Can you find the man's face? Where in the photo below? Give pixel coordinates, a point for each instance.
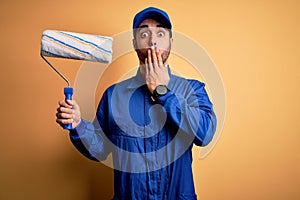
(151, 33)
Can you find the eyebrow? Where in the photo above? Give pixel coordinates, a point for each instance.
(147, 26)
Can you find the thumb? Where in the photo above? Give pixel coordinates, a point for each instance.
(166, 64)
(75, 106)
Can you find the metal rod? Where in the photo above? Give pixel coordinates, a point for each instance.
(60, 74)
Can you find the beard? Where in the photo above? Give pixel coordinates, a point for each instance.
(143, 54)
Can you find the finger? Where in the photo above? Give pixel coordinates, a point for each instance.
(154, 58)
(146, 66)
(64, 121)
(75, 106)
(70, 102)
(64, 116)
(150, 66)
(65, 110)
(64, 104)
(159, 58)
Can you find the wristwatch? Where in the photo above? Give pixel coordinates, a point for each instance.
(159, 91)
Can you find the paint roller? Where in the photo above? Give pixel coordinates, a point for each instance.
(79, 46)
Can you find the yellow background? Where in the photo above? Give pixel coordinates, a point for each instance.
(255, 45)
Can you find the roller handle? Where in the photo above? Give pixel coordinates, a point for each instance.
(68, 91)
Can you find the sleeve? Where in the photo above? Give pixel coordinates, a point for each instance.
(190, 110)
(89, 138)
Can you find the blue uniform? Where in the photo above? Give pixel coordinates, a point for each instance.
(151, 142)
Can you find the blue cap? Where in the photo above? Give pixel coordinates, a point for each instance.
(152, 13)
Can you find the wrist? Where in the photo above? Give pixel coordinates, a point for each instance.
(76, 123)
(151, 87)
(159, 91)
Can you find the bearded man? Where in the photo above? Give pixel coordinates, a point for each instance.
(149, 123)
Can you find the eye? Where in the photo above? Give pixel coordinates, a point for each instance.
(144, 34)
(161, 34)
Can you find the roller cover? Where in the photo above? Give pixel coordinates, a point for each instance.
(78, 46)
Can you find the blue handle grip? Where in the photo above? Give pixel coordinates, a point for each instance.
(68, 91)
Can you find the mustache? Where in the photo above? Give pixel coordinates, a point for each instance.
(142, 54)
(144, 51)
(151, 47)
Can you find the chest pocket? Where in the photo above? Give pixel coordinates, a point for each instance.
(126, 136)
(126, 128)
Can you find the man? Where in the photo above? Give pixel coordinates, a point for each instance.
(149, 122)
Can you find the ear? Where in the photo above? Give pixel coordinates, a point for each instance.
(171, 42)
(134, 44)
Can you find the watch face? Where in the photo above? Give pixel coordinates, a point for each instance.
(161, 90)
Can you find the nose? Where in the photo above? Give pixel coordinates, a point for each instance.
(152, 40)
